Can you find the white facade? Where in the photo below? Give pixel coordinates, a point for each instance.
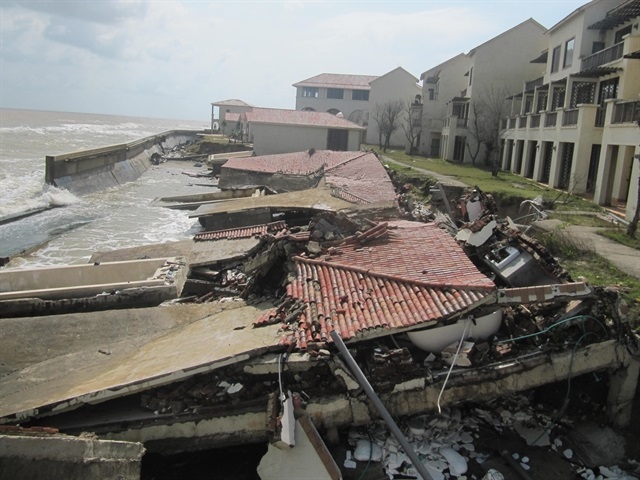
(274, 131)
(396, 85)
(439, 85)
(336, 93)
(501, 64)
(574, 129)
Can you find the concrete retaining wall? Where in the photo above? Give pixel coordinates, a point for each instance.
(94, 170)
(63, 457)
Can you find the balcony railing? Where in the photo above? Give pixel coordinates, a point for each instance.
(522, 122)
(626, 112)
(538, 82)
(603, 56)
(600, 114)
(535, 121)
(550, 119)
(462, 122)
(570, 117)
(512, 122)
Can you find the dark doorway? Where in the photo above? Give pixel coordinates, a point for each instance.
(338, 140)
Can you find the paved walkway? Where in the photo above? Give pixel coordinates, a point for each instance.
(625, 258)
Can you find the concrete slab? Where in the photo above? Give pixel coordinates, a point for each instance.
(195, 253)
(314, 198)
(223, 335)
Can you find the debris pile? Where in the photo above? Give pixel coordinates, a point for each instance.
(499, 440)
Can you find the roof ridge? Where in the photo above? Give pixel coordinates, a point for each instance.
(395, 278)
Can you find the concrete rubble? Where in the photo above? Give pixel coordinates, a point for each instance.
(257, 364)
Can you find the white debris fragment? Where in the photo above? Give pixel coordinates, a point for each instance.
(457, 463)
(348, 462)
(568, 453)
(367, 450)
(234, 388)
(525, 466)
(493, 474)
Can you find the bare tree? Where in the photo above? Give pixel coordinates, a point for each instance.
(387, 117)
(488, 108)
(412, 123)
(633, 225)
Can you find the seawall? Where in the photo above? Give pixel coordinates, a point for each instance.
(93, 170)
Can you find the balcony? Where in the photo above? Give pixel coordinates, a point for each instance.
(570, 117)
(600, 114)
(530, 86)
(535, 121)
(603, 57)
(522, 122)
(626, 112)
(462, 122)
(512, 122)
(550, 119)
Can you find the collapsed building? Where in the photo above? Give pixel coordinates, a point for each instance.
(437, 314)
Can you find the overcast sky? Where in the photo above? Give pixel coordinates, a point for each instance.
(171, 59)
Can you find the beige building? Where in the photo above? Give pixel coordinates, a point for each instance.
(274, 131)
(398, 85)
(495, 68)
(574, 127)
(228, 114)
(335, 93)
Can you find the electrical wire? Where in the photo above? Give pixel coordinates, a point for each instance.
(455, 358)
(561, 322)
(566, 400)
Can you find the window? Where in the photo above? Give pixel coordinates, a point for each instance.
(470, 75)
(568, 53)
(360, 95)
(337, 93)
(621, 33)
(555, 59)
(432, 94)
(310, 92)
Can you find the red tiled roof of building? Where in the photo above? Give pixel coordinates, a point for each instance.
(338, 80)
(363, 177)
(297, 163)
(241, 232)
(415, 276)
(356, 177)
(299, 118)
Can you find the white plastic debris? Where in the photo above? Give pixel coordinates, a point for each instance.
(457, 463)
(568, 453)
(348, 462)
(493, 474)
(525, 466)
(367, 450)
(234, 388)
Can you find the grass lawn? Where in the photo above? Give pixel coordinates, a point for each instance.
(506, 186)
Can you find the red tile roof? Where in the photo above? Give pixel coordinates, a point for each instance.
(356, 177)
(232, 102)
(337, 80)
(297, 163)
(363, 178)
(242, 232)
(299, 118)
(414, 275)
(231, 116)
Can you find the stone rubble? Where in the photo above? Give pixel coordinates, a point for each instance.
(450, 444)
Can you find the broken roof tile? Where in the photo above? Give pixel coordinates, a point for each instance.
(385, 285)
(241, 232)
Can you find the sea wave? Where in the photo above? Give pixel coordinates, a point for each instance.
(40, 197)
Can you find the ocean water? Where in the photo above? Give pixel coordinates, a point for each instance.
(115, 218)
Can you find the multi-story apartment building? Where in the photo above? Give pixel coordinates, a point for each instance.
(336, 93)
(449, 90)
(574, 127)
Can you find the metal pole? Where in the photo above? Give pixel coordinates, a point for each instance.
(386, 416)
